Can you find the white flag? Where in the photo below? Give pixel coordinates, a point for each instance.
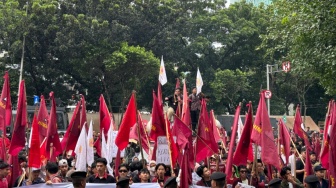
(240, 128)
(90, 142)
(104, 153)
(110, 142)
(162, 74)
(80, 151)
(199, 82)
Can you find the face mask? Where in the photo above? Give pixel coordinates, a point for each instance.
(152, 170)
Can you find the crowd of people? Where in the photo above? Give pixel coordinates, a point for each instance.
(207, 173)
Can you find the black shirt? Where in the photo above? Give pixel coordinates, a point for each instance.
(106, 179)
(299, 166)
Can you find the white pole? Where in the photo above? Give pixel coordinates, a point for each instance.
(268, 100)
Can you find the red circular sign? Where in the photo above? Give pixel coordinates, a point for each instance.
(268, 94)
(286, 66)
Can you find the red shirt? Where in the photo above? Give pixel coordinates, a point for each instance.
(3, 183)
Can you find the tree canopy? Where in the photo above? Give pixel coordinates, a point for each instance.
(112, 47)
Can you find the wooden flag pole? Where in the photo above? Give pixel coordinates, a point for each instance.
(297, 151)
(169, 144)
(51, 150)
(140, 142)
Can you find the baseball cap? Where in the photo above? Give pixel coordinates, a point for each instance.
(63, 162)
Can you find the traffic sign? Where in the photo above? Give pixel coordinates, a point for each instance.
(286, 66)
(268, 94)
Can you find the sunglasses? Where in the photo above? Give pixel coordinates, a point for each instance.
(123, 171)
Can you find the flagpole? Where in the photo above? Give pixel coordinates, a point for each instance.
(148, 142)
(169, 144)
(140, 142)
(297, 151)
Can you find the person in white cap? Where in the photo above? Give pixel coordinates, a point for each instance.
(63, 169)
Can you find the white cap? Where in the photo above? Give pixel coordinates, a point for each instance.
(63, 162)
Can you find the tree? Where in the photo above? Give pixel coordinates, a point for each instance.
(229, 88)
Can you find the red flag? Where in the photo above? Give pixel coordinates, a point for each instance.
(284, 141)
(171, 144)
(228, 169)
(34, 150)
(117, 164)
(127, 122)
(185, 177)
(324, 158)
(204, 143)
(298, 129)
(185, 117)
(42, 119)
(104, 114)
(243, 147)
(53, 144)
(143, 134)
(5, 103)
(308, 166)
(332, 151)
(18, 141)
(83, 114)
(15, 172)
(158, 123)
(317, 146)
(262, 134)
(214, 127)
(43, 157)
(72, 133)
(5, 114)
(182, 133)
(97, 145)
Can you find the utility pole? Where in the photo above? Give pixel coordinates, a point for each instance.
(272, 69)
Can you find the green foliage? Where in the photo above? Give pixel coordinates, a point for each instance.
(113, 47)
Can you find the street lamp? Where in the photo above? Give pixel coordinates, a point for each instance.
(272, 69)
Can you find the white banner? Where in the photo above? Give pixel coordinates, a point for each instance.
(102, 185)
(97, 185)
(162, 152)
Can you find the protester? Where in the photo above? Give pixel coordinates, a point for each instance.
(320, 174)
(275, 183)
(218, 180)
(101, 176)
(311, 181)
(63, 169)
(195, 107)
(135, 168)
(52, 173)
(160, 170)
(144, 176)
(300, 165)
(78, 179)
(93, 169)
(123, 182)
(312, 157)
(170, 183)
(174, 101)
(204, 173)
(129, 153)
(123, 170)
(287, 178)
(4, 171)
(242, 176)
(151, 168)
